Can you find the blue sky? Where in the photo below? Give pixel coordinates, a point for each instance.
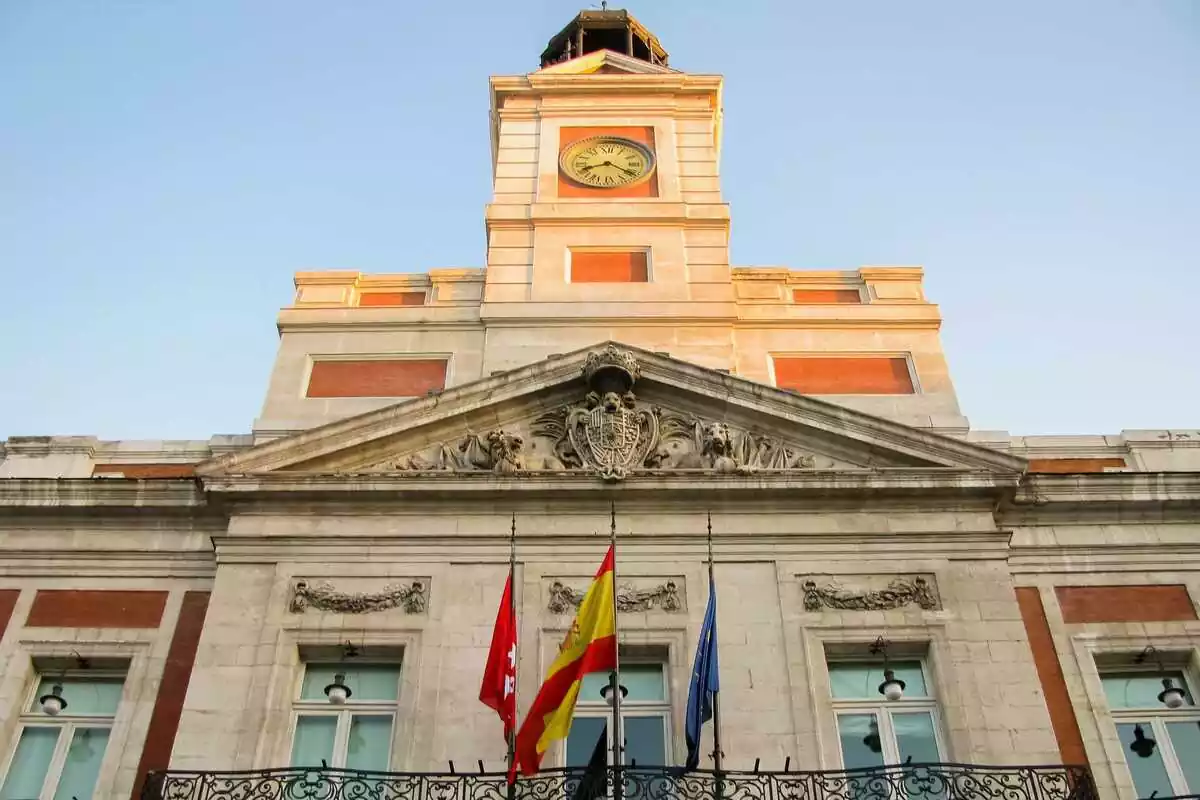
(165, 167)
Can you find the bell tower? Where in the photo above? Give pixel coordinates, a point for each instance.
(607, 220)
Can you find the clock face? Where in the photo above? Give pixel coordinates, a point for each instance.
(607, 162)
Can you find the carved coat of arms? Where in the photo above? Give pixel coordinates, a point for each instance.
(612, 434)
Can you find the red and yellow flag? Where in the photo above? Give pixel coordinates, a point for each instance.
(590, 646)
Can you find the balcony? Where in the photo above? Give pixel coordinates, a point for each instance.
(908, 782)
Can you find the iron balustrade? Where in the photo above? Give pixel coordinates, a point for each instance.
(907, 782)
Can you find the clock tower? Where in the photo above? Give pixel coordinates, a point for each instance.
(606, 220)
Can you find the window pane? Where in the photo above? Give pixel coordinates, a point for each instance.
(861, 679)
(915, 738)
(644, 682)
(581, 742)
(1139, 689)
(367, 682)
(1149, 774)
(78, 778)
(370, 743)
(645, 740)
(1185, 737)
(27, 772)
(314, 741)
(91, 697)
(859, 735)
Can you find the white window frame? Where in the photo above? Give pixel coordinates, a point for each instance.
(598, 708)
(344, 713)
(1158, 716)
(883, 709)
(68, 723)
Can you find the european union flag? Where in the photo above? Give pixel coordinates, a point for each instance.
(705, 683)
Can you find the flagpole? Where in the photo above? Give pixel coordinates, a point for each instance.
(614, 677)
(512, 612)
(717, 754)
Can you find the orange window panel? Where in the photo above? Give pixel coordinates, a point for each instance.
(86, 608)
(844, 375)
(147, 470)
(391, 299)
(823, 297)
(609, 267)
(377, 378)
(1161, 603)
(1074, 464)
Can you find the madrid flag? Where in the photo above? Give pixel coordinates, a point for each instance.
(590, 646)
(499, 690)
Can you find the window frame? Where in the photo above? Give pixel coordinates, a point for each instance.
(1158, 717)
(883, 709)
(568, 273)
(344, 713)
(598, 709)
(31, 716)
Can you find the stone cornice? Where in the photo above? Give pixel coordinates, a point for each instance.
(667, 487)
(41, 446)
(1041, 489)
(1095, 558)
(565, 550)
(570, 212)
(110, 493)
(106, 563)
(546, 82)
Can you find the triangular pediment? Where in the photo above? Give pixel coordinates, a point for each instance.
(605, 61)
(614, 412)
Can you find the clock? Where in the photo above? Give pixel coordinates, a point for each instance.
(607, 162)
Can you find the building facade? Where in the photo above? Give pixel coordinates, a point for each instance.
(192, 606)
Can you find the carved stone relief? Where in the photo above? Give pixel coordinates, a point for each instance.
(664, 597)
(610, 434)
(867, 595)
(413, 598)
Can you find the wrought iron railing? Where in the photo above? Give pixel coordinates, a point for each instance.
(908, 782)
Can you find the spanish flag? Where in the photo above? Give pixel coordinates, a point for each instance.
(590, 646)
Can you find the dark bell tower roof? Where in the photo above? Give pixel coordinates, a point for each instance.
(615, 30)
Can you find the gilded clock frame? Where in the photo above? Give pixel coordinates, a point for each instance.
(581, 144)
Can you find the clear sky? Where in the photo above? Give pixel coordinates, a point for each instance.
(166, 166)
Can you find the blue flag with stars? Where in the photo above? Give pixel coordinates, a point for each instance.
(705, 683)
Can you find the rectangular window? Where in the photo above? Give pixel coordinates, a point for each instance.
(824, 297)
(59, 757)
(1069, 465)
(391, 299)
(402, 377)
(645, 714)
(609, 266)
(354, 734)
(844, 374)
(1169, 767)
(876, 732)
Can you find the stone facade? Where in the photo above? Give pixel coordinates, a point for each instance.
(383, 523)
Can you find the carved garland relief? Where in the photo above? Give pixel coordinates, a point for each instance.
(610, 434)
(664, 597)
(413, 598)
(899, 592)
